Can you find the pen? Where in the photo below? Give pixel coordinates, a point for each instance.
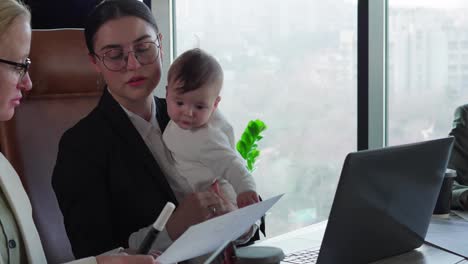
(157, 227)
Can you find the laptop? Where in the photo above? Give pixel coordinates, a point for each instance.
(383, 204)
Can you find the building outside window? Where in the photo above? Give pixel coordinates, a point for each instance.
(421, 110)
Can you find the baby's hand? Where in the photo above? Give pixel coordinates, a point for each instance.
(247, 198)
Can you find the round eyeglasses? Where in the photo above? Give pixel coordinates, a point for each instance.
(21, 68)
(116, 59)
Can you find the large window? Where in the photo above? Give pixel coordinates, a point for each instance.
(293, 65)
(428, 67)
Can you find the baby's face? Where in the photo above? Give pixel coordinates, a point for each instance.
(193, 109)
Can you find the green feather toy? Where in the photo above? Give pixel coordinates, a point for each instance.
(247, 144)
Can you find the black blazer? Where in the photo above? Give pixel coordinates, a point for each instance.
(106, 180)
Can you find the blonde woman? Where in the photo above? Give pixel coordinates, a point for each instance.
(20, 241)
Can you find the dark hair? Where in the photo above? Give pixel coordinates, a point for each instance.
(194, 68)
(112, 9)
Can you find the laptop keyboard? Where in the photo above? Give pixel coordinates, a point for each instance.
(302, 257)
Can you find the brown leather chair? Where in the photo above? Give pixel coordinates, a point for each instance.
(65, 89)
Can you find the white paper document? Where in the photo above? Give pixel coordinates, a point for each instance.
(449, 234)
(206, 237)
(462, 214)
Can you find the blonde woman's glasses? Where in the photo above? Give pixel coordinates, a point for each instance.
(21, 68)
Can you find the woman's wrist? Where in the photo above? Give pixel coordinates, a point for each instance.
(174, 228)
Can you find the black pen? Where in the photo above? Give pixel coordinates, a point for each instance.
(157, 227)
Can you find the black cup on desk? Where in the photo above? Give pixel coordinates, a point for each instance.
(444, 200)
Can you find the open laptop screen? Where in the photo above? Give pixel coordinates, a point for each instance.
(384, 201)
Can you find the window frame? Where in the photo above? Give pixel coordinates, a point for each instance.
(163, 10)
(372, 74)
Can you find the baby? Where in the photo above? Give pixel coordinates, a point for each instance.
(199, 138)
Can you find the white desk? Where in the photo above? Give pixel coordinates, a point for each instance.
(312, 235)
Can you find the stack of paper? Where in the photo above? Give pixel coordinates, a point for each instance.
(206, 237)
(449, 234)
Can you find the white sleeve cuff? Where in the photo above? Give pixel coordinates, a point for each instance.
(249, 234)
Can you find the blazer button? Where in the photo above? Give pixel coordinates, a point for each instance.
(11, 243)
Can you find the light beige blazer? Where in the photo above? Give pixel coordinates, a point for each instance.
(18, 200)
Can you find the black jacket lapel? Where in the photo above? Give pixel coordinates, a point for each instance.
(122, 125)
(161, 113)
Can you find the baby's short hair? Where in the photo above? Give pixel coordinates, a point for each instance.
(194, 68)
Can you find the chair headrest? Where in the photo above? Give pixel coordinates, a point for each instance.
(60, 64)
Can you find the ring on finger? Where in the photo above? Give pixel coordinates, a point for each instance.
(212, 210)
